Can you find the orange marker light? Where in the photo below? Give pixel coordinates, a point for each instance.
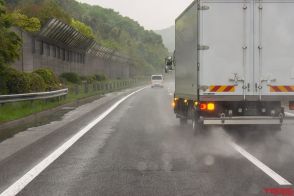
(173, 104)
(210, 106)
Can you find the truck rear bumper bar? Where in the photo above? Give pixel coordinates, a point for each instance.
(243, 120)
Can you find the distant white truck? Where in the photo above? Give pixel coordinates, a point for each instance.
(234, 62)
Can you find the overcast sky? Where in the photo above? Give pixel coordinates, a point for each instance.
(152, 14)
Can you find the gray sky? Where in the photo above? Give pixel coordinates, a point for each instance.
(152, 14)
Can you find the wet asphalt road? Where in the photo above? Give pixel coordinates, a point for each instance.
(141, 149)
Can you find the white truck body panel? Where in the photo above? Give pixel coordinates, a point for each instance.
(245, 45)
(186, 53)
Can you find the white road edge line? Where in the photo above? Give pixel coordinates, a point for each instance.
(276, 177)
(22, 182)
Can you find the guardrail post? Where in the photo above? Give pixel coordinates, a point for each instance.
(93, 87)
(76, 89)
(86, 88)
(99, 86)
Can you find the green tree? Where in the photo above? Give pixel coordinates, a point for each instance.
(82, 28)
(9, 41)
(28, 24)
(43, 10)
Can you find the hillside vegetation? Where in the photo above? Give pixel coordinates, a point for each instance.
(106, 26)
(168, 36)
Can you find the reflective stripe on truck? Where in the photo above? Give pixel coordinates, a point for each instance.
(222, 89)
(281, 89)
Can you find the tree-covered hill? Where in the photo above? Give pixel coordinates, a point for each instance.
(168, 36)
(106, 26)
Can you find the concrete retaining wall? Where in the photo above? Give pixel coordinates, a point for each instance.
(37, 52)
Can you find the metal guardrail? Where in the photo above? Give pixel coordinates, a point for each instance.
(32, 96)
(85, 88)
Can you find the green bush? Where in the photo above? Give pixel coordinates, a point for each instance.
(13, 81)
(17, 82)
(3, 80)
(50, 79)
(71, 77)
(100, 77)
(76, 79)
(36, 83)
(88, 79)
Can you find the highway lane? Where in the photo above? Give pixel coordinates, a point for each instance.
(140, 149)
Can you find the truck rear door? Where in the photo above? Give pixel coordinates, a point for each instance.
(274, 47)
(226, 64)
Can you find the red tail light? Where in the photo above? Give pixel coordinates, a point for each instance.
(203, 106)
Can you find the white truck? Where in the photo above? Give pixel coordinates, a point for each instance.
(234, 62)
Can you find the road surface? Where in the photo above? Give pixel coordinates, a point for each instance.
(139, 148)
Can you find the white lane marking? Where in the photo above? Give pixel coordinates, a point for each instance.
(22, 182)
(288, 114)
(276, 177)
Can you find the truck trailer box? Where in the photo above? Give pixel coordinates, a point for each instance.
(238, 54)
